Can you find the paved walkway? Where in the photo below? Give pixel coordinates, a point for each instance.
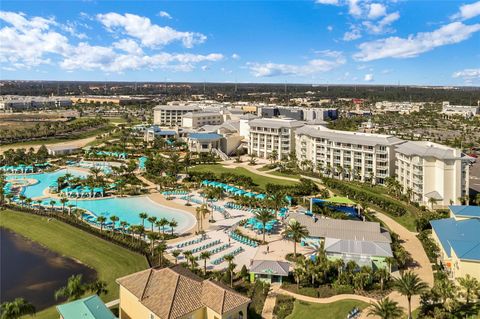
(269, 305)
(326, 300)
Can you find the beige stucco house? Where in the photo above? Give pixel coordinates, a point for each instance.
(175, 292)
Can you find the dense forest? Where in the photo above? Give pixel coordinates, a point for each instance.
(279, 93)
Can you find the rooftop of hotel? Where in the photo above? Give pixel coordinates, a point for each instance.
(358, 247)
(276, 123)
(465, 211)
(348, 137)
(460, 236)
(427, 149)
(201, 114)
(204, 136)
(177, 107)
(175, 292)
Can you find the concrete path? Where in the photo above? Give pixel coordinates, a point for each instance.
(326, 300)
(254, 169)
(113, 303)
(269, 305)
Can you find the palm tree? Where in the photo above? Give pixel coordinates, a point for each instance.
(101, 220)
(295, 231)
(74, 289)
(123, 225)
(229, 258)
(52, 203)
(152, 220)
(277, 200)
(98, 287)
(16, 309)
(409, 284)
(172, 224)
(114, 219)
(205, 255)
(264, 216)
(187, 254)
(470, 287)
(432, 201)
(175, 255)
(162, 223)
(63, 200)
(161, 248)
(143, 216)
(386, 309)
(152, 237)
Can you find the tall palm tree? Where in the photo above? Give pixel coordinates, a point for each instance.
(152, 237)
(175, 255)
(63, 201)
(264, 216)
(161, 248)
(16, 309)
(101, 220)
(187, 254)
(152, 220)
(277, 200)
(143, 216)
(386, 309)
(204, 256)
(470, 287)
(295, 231)
(74, 289)
(172, 224)
(52, 203)
(114, 219)
(229, 258)
(409, 284)
(98, 287)
(123, 225)
(162, 223)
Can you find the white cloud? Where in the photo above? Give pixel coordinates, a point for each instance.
(468, 74)
(150, 35)
(312, 67)
(235, 56)
(204, 67)
(164, 14)
(368, 77)
(376, 10)
(354, 8)
(467, 11)
(330, 28)
(129, 46)
(332, 2)
(383, 24)
(353, 34)
(413, 45)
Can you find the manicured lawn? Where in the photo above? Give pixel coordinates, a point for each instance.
(277, 173)
(109, 260)
(335, 310)
(260, 180)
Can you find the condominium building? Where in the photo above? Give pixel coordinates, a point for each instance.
(171, 115)
(198, 119)
(347, 155)
(429, 170)
(460, 110)
(267, 136)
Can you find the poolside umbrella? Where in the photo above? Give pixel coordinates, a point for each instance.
(261, 196)
(249, 194)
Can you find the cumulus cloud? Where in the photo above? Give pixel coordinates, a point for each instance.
(354, 8)
(353, 34)
(383, 25)
(30, 41)
(164, 14)
(467, 11)
(468, 74)
(330, 28)
(376, 10)
(413, 45)
(150, 35)
(335, 59)
(368, 77)
(235, 56)
(332, 2)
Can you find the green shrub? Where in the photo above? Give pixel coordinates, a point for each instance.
(283, 306)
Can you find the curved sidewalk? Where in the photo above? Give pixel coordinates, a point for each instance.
(326, 300)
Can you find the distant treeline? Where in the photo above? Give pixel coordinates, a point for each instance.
(245, 91)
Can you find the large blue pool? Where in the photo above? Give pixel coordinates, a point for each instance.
(126, 209)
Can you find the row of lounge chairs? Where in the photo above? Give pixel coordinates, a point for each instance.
(219, 249)
(243, 240)
(192, 242)
(203, 247)
(170, 193)
(220, 260)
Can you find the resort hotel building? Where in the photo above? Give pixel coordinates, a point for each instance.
(171, 114)
(347, 155)
(429, 170)
(269, 135)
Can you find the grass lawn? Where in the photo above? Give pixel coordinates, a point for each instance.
(335, 310)
(109, 260)
(277, 173)
(260, 180)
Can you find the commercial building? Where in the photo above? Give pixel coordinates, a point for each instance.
(171, 115)
(428, 170)
(347, 155)
(194, 120)
(175, 292)
(459, 243)
(298, 113)
(13, 103)
(269, 136)
(203, 142)
(461, 110)
(108, 99)
(155, 131)
(366, 243)
(269, 271)
(62, 150)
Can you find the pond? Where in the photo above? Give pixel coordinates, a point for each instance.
(33, 272)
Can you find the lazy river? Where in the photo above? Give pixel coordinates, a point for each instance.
(126, 208)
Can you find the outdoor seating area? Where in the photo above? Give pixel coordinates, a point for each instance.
(220, 260)
(118, 155)
(192, 242)
(18, 169)
(254, 224)
(175, 193)
(232, 190)
(243, 240)
(83, 192)
(206, 246)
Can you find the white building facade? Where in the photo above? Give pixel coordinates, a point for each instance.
(197, 119)
(171, 115)
(429, 170)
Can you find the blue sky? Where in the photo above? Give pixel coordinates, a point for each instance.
(318, 41)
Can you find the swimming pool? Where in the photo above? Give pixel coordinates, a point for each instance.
(126, 209)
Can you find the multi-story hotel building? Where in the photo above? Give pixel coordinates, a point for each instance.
(171, 115)
(269, 135)
(198, 119)
(347, 155)
(430, 170)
